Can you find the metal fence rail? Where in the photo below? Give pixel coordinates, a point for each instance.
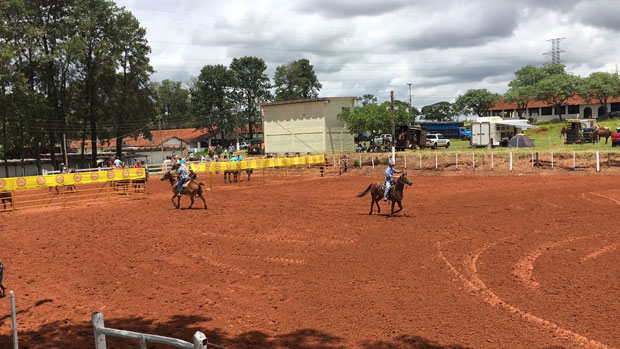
(199, 339)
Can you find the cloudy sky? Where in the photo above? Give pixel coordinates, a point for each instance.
(442, 47)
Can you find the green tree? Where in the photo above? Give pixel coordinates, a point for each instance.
(556, 89)
(375, 118)
(522, 89)
(172, 100)
(253, 86)
(476, 102)
(296, 80)
(440, 111)
(600, 86)
(521, 96)
(132, 97)
(367, 99)
(214, 97)
(97, 63)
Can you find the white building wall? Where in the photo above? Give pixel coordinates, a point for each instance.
(307, 127)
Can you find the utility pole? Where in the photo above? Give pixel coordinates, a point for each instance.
(393, 127)
(64, 149)
(161, 135)
(410, 110)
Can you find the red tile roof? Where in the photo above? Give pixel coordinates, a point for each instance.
(575, 100)
(185, 134)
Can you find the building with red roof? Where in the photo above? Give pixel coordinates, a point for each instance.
(574, 108)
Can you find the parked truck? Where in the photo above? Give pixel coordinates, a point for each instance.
(410, 137)
(494, 131)
(434, 140)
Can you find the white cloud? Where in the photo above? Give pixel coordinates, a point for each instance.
(443, 47)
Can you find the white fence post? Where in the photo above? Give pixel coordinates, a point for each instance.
(598, 162)
(14, 320)
(98, 323)
(473, 161)
(574, 160)
(510, 161)
(360, 161)
(435, 161)
(532, 160)
(200, 340)
(420, 161)
(457, 161)
(552, 160)
(491, 161)
(372, 159)
(405, 161)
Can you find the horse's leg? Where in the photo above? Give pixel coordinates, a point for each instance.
(400, 206)
(203, 199)
(372, 204)
(191, 199)
(392, 212)
(178, 201)
(174, 195)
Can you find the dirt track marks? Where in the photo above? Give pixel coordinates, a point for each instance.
(599, 252)
(263, 239)
(477, 287)
(607, 197)
(524, 269)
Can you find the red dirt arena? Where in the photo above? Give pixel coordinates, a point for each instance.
(472, 261)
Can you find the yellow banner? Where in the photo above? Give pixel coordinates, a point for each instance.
(257, 163)
(31, 182)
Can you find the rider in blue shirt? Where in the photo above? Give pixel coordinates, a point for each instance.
(389, 178)
(183, 176)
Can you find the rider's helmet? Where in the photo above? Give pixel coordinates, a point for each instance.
(182, 161)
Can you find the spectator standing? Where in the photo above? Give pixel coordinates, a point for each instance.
(262, 148)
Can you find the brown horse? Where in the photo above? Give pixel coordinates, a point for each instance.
(236, 174)
(193, 188)
(563, 131)
(601, 132)
(395, 194)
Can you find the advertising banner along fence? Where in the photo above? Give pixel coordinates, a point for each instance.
(34, 182)
(257, 163)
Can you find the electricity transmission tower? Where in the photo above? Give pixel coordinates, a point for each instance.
(553, 56)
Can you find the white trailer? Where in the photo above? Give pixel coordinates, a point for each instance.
(494, 131)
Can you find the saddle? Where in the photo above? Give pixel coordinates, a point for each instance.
(186, 183)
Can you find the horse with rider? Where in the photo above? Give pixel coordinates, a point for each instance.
(184, 181)
(391, 189)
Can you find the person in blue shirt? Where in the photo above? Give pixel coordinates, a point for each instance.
(389, 178)
(236, 158)
(183, 176)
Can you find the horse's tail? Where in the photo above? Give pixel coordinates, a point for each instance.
(201, 184)
(365, 191)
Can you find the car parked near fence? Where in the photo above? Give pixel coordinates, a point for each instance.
(435, 140)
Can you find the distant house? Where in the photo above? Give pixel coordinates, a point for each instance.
(176, 141)
(575, 107)
(307, 126)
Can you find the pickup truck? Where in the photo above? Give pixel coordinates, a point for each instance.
(435, 140)
(464, 133)
(379, 139)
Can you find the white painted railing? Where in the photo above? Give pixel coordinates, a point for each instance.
(199, 340)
